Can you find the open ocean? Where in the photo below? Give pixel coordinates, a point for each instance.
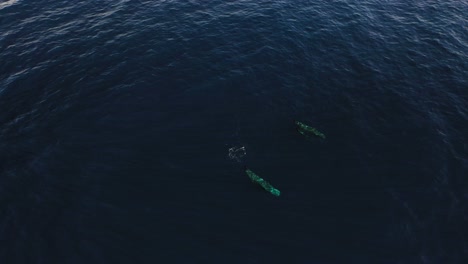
(116, 120)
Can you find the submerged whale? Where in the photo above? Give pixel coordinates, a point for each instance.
(255, 178)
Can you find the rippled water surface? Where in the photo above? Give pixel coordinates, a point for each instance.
(117, 119)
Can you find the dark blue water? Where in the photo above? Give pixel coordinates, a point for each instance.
(116, 118)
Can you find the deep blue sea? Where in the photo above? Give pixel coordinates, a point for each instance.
(117, 117)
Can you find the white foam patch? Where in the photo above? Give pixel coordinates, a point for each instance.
(8, 3)
(237, 153)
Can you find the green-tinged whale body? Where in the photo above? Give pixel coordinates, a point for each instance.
(255, 178)
(305, 130)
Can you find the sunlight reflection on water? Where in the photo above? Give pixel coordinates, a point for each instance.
(8, 3)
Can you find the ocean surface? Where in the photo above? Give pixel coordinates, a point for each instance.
(117, 119)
